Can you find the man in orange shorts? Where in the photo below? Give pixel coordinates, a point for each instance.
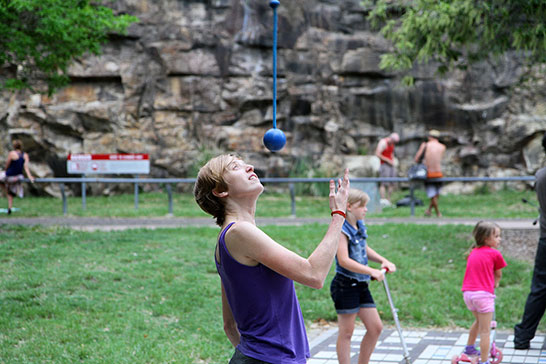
(434, 153)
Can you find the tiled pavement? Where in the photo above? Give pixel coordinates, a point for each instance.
(425, 347)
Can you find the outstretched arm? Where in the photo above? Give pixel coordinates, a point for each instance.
(419, 152)
(376, 257)
(246, 240)
(27, 170)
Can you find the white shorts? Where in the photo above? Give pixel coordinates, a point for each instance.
(433, 189)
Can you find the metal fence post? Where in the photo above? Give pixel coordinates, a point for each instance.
(65, 209)
(170, 194)
(412, 200)
(84, 202)
(136, 195)
(293, 199)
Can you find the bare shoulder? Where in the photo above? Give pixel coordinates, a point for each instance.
(242, 227)
(245, 242)
(244, 231)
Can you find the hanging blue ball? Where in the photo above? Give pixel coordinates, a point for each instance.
(274, 3)
(274, 139)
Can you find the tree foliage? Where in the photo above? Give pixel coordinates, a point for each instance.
(456, 33)
(40, 38)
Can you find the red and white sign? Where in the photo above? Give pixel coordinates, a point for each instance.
(108, 164)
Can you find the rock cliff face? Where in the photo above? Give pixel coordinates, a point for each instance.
(194, 78)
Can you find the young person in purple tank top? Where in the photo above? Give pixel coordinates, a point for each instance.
(261, 314)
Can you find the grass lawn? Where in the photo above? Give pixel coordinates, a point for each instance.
(502, 204)
(153, 296)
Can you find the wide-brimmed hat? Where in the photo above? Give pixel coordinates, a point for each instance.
(434, 133)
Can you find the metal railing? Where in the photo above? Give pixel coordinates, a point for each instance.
(290, 181)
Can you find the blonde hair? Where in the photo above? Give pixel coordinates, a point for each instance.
(356, 196)
(210, 178)
(481, 232)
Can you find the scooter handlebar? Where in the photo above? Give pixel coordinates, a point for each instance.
(384, 270)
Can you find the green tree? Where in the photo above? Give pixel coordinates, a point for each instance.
(457, 33)
(40, 38)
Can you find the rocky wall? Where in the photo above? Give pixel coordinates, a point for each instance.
(193, 78)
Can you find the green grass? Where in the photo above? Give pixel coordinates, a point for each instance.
(153, 296)
(502, 204)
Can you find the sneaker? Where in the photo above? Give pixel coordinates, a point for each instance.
(471, 350)
(385, 203)
(484, 362)
(9, 211)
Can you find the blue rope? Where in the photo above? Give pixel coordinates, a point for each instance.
(273, 4)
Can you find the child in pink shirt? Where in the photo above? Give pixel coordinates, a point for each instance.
(482, 276)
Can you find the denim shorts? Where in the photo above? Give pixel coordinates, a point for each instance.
(350, 295)
(240, 358)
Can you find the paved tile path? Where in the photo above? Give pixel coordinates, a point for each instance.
(425, 347)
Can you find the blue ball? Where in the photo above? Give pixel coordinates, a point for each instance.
(274, 3)
(274, 139)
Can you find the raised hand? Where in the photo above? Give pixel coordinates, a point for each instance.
(338, 201)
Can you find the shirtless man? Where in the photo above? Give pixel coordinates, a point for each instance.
(385, 153)
(433, 160)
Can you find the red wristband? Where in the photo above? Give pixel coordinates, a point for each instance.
(339, 212)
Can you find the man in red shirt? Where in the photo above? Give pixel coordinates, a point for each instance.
(385, 153)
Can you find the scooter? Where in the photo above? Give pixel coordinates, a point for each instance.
(495, 355)
(394, 311)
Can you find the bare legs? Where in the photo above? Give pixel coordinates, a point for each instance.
(8, 195)
(481, 326)
(473, 333)
(434, 205)
(10, 201)
(374, 326)
(385, 191)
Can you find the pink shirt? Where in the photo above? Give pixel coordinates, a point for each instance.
(480, 269)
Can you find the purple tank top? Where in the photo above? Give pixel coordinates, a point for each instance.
(266, 309)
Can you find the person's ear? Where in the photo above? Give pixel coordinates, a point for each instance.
(216, 192)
